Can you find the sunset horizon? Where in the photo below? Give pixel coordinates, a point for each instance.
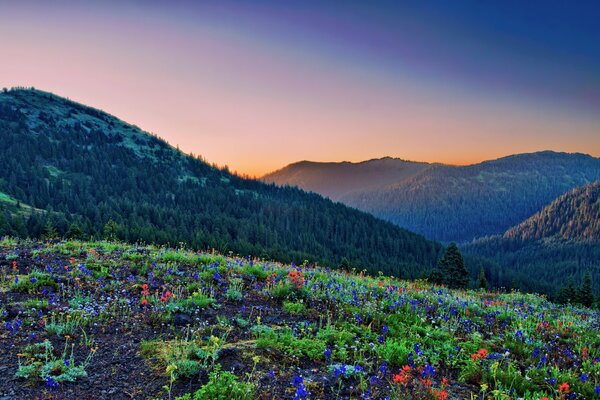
(259, 88)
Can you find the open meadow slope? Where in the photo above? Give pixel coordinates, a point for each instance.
(109, 320)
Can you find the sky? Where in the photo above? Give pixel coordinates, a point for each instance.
(258, 85)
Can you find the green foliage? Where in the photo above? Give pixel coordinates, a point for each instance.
(32, 282)
(586, 295)
(453, 268)
(482, 280)
(310, 347)
(234, 291)
(294, 308)
(222, 385)
(40, 362)
(192, 303)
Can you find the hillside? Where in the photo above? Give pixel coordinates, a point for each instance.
(554, 246)
(95, 175)
(451, 203)
(115, 321)
(573, 216)
(339, 180)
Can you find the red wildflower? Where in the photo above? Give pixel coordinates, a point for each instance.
(584, 353)
(564, 388)
(403, 377)
(144, 302)
(480, 355)
(297, 278)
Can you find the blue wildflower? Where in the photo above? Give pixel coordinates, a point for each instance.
(51, 383)
(428, 372)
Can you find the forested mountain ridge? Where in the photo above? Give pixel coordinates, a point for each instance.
(339, 180)
(459, 203)
(559, 244)
(93, 174)
(573, 216)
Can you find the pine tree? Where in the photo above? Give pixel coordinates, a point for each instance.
(74, 231)
(436, 277)
(586, 294)
(49, 230)
(453, 268)
(483, 283)
(110, 230)
(568, 293)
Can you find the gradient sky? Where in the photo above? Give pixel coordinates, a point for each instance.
(257, 85)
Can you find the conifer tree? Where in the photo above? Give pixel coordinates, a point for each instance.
(483, 283)
(586, 294)
(453, 268)
(568, 293)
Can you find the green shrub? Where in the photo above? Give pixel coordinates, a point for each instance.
(223, 385)
(294, 308)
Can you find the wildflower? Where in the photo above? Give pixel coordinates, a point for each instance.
(584, 353)
(403, 377)
(597, 391)
(564, 388)
(584, 378)
(144, 302)
(480, 355)
(171, 368)
(51, 383)
(418, 350)
(428, 372)
(297, 380)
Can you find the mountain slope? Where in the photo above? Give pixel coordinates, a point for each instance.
(558, 244)
(338, 180)
(573, 216)
(97, 175)
(460, 203)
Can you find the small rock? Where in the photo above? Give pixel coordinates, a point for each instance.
(181, 319)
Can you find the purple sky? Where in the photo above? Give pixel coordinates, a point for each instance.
(257, 85)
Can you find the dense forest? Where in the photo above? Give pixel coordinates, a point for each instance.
(573, 216)
(72, 170)
(549, 252)
(445, 202)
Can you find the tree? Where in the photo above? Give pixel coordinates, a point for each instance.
(74, 231)
(483, 283)
(568, 293)
(436, 277)
(586, 294)
(453, 268)
(49, 230)
(110, 230)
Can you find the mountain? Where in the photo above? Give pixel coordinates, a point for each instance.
(340, 180)
(557, 244)
(573, 216)
(73, 170)
(446, 202)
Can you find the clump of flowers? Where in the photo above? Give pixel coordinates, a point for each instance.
(403, 377)
(297, 279)
(480, 355)
(145, 294)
